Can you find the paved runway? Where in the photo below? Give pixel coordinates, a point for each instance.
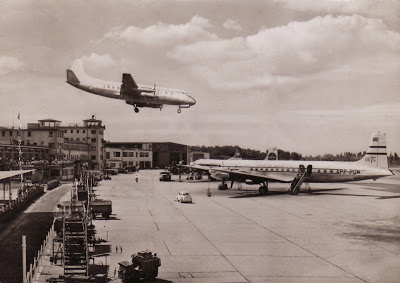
(339, 233)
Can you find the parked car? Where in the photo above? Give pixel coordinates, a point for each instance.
(165, 176)
(184, 197)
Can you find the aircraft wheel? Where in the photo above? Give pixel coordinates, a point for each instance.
(263, 190)
(136, 110)
(179, 110)
(222, 187)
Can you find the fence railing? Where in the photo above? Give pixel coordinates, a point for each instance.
(38, 260)
(23, 200)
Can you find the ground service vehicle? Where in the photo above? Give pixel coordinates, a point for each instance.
(165, 176)
(101, 206)
(144, 265)
(184, 197)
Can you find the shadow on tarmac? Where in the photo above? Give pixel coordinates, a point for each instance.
(257, 194)
(312, 192)
(322, 192)
(112, 217)
(157, 280)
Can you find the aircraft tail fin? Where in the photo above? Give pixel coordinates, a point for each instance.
(272, 154)
(128, 84)
(237, 155)
(376, 155)
(72, 78)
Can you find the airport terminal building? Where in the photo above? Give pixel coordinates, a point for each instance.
(144, 155)
(50, 145)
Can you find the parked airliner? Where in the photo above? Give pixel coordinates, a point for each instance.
(133, 94)
(373, 165)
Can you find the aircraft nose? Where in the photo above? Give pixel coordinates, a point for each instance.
(191, 100)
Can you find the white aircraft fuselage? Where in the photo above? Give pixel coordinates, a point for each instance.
(322, 171)
(373, 165)
(136, 95)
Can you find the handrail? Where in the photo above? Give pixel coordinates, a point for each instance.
(38, 260)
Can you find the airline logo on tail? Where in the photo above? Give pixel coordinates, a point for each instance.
(376, 155)
(370, 159)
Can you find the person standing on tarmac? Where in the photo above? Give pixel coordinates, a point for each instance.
(136, 177)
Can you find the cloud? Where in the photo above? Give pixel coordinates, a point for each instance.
(386, 9)
(10, 64)
(287, 54)
(99, 61)
(165, 34)
(231, 24)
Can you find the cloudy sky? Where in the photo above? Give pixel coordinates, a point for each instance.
(307, 76)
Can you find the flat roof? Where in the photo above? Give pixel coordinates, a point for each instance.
(49, 120)
(9, 174)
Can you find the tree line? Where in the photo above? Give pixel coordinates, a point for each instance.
(225, 152)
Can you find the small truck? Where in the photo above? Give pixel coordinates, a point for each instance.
(144, 265)
(101, 206)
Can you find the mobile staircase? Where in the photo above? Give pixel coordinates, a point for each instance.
(301, 176)
(75, 241)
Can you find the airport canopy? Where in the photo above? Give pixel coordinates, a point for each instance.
(9, 174)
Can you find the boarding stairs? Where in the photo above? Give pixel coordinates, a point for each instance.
(75, 243)
(295, 185)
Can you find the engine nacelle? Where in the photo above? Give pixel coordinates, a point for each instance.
(250, 182)
(217, 175)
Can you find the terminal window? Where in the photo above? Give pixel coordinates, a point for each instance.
(93, 132)
(3, 133)
(144, 154)
(93, 140)
(117, 154)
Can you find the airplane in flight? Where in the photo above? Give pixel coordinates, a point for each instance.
(373, 165)
(133, 94)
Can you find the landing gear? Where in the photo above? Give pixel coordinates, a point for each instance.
(179, 110)
(263, 189)
(136, 110)
(307, 188)
(222, 186)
